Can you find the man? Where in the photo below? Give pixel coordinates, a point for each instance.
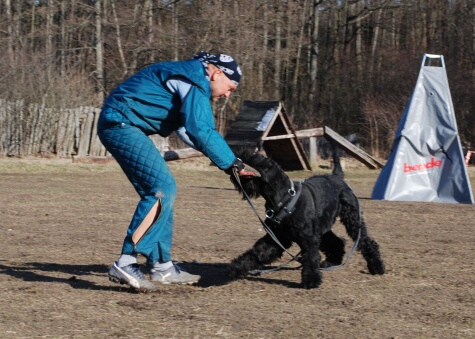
(163, 98)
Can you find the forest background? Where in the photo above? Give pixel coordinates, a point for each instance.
(347, 64)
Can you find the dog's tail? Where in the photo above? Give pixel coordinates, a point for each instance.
(337, 169)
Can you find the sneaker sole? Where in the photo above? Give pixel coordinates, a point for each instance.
(165, 282)
(176, 283)
(139, 289)
(132, 282)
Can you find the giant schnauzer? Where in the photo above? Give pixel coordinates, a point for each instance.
(303, 212)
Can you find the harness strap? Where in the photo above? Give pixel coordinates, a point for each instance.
(286, 210)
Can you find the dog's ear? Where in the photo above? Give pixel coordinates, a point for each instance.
(245, 153)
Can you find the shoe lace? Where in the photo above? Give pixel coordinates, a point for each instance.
(137, 271)
(178, 269)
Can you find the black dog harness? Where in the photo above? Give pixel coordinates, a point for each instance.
(285, 209)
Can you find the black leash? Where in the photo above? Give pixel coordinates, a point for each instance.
(273, 236)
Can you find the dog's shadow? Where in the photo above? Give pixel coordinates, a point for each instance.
(214, 274)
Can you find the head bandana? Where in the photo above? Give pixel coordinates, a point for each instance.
(224, 62)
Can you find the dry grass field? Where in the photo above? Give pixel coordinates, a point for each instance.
(62, 225)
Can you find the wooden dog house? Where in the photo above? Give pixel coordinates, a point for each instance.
(266, 126)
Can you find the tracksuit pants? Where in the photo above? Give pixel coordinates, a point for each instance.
(148, 172)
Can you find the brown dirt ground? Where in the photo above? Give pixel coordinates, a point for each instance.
(62, 226)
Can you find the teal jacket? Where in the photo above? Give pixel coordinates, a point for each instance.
(147, 102)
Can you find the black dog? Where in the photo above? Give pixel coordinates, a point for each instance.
(304, 213)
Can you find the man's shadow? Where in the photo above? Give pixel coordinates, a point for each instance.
(212, 274)
(41, 272)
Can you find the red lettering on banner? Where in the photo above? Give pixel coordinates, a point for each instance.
(431, 164)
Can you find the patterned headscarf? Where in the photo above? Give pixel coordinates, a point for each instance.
(224, 62)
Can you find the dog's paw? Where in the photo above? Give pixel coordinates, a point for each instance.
(311, 284)
(233, 272)
(312, 280)
(376, 267)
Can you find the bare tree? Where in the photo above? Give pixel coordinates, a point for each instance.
(471, 4)
(99, 51)
(119, 40)
(314, 52)
(277, 48)
(10, 30)
(263, 54)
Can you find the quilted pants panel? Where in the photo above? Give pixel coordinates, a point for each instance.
(149, 174)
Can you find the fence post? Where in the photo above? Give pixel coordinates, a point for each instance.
(86, 120)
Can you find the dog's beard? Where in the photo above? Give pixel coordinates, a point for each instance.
(270, 175)
(249, 185)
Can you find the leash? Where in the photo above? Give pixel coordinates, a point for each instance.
(274, 237)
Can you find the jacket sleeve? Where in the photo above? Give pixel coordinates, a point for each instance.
(197, 117)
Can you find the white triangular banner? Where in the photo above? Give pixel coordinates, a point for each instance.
(426, 162)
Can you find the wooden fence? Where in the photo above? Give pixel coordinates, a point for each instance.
(34, 129)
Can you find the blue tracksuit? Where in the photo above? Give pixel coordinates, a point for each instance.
(143, 105)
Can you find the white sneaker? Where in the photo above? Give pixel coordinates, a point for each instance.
(173, 275)
(132, 276)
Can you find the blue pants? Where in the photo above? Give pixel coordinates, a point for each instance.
(149, 174)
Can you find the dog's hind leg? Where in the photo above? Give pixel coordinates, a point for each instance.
(351, 217)
(370, 250)
(334, 249)
(264, 251)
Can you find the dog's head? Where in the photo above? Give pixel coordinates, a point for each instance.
(269, 184)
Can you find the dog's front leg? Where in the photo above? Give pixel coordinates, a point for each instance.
(311, 275)
(264, 252)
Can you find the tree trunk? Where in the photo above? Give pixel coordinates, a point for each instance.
(296, 70)
(314, 53)
(175, 31)
(49, 39)
(359, 50)
(119, 40)
(277, 54)
(63, 38)
(32, 26)
(375, 58)
(263, 56)
(148, 7)
(472, 3)
(8, 9)
(99, 53)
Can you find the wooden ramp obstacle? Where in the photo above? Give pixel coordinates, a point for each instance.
(351, 149)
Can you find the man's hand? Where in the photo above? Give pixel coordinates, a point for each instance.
(242, 169)
(237, 164)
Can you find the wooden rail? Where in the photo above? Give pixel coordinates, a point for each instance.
(351, 149)
(305, 133)
(330, 134)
